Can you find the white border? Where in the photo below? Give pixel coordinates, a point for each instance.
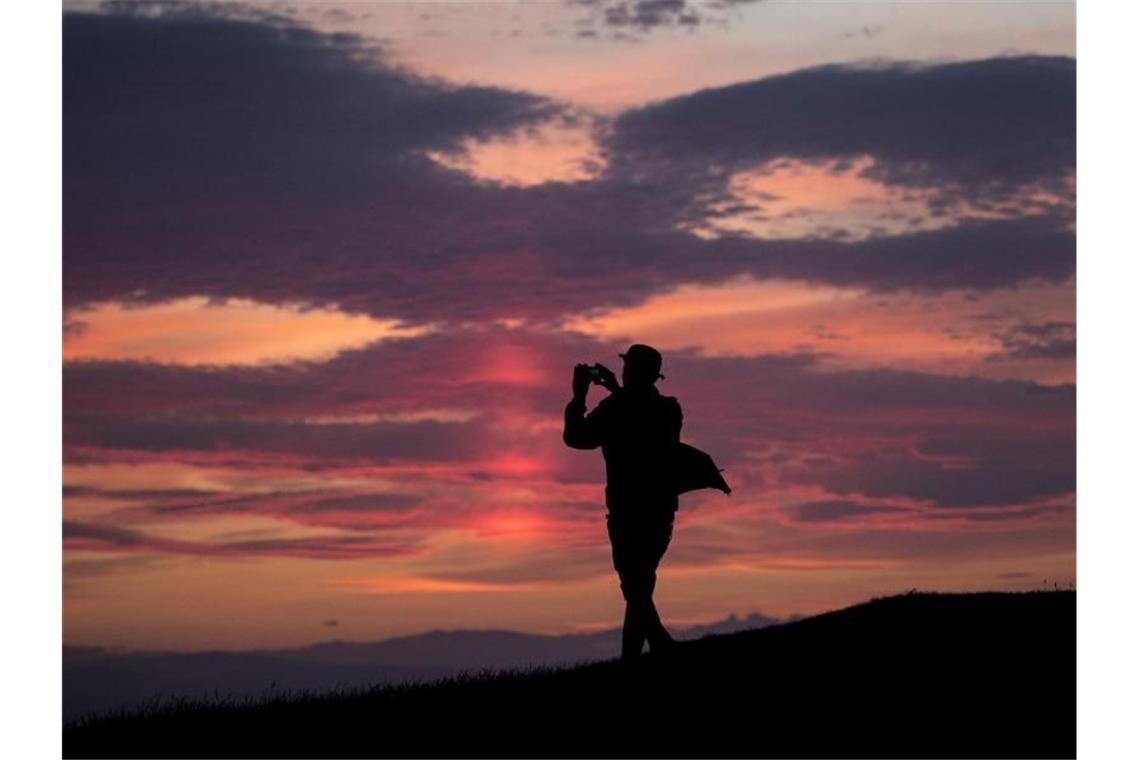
(1108, 298)
(30, 446)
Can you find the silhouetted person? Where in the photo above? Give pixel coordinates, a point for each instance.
(638, 430)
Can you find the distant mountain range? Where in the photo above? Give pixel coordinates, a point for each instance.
(98, 680)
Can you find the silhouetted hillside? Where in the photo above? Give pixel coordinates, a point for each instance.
(920, 675)
(97, 680)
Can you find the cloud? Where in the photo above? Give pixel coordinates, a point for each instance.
(1047, 340)
(996, 480)
(243, 129)
(284, 166)
(846, 327)
(293, 112)
(642, 16)
(101, 534)
(332, 506)
(645, 14)
(832, 510)
(94, 537)
(937, 441)
(1007, 515)
(776, 421)
(454, 369)
(633, 20)
(198, 331)
(372, 442)
(979, 129)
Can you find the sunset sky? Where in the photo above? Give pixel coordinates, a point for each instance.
(328, 266)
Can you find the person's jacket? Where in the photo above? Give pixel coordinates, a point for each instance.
(639, 432)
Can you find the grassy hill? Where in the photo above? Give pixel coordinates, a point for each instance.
(919, 675)
(99, 680)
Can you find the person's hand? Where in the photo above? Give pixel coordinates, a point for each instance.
(582, 380)
(608, 380)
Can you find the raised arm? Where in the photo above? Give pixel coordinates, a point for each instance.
(581, 430)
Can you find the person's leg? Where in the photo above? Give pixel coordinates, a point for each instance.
(637, 588)
(656, 633)
(643, 623)
(634, 629)
(636, 577)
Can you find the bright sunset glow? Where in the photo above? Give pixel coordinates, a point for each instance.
(528, 157)
(195, 331)
(795, 199)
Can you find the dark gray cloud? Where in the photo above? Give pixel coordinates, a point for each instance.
(977, 128)
(641, 16)
(377, 442)
(145, 494)
(882, 434)
(192, 106)
(233, 145)
(1005, 514)
(237, 157)
(972, 254)
(1012, 477)
(364, 502)
(105, 534)
(634, 19)
(646, 14)
(1046, 340)
(955, 463)
(103, 537)
(330, 508)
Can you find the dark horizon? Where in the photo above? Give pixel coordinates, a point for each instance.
(96, 680)
(906, 676)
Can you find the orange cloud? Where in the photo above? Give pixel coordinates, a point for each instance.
(527, 157)
(789, 198)
(957, 332)
(235, 331)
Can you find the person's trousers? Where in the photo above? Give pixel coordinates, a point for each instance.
(639, 540)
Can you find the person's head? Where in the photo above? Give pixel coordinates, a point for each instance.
(642, 366)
